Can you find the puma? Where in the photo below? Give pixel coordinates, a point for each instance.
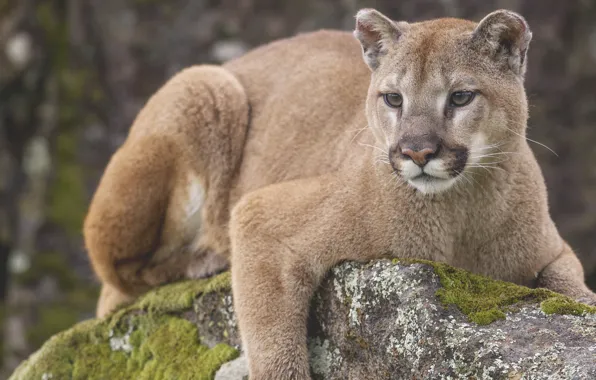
(408, 139)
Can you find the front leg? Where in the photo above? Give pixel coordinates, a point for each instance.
(284, 239)
(272, 289)
(565, 275)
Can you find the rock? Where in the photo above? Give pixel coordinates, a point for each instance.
(386, 319)
(237, 369)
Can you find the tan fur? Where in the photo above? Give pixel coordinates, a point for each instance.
(170, 180)
(315, 174)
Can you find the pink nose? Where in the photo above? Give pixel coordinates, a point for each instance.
(420, 157)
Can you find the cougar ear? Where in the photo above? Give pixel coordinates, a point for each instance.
(504, 36)
(376, 32)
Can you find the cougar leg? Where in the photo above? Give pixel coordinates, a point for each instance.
(280, 254)
(109, 299)
(206, 264)
(167, 186)
(565, 275)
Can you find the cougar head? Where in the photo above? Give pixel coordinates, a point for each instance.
(444, 94)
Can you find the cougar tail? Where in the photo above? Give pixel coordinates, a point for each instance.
(194, 126)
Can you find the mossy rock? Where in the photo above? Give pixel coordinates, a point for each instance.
(420, 319)
(149, 339)
(485, 300)
(373, 319)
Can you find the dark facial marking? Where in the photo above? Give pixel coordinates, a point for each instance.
(458, 161)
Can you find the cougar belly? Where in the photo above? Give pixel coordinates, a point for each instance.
(202, 263)
(177, 256)
(187, 214)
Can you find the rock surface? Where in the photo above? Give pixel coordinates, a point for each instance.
(237, 369)
(386, 319)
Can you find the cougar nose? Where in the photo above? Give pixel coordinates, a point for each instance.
(420, 157)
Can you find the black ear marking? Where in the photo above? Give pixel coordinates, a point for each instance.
(505, 36)
(375, 32)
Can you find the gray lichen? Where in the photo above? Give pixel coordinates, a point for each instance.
(381, 320)
(396, 327)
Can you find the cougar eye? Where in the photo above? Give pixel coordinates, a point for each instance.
(393, 100)
(461, 98)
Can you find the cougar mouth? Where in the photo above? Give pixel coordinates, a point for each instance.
(425, 176)
(429, 184)
(433, 174)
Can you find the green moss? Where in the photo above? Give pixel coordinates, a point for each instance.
(133, 344)
(564, 305)
(486, 317)
(485, 300)
(168, 350)
(180, 295)
(160, 347)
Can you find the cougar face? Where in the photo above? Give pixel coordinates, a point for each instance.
(432, 115)
(438, 101)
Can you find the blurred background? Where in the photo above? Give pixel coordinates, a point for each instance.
(74, 73)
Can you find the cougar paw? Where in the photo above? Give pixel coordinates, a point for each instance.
(206, 264)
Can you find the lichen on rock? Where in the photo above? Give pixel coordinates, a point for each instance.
(386, 319)
(429, 320)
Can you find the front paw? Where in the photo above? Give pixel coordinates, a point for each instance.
(206, 263)
(284, 368)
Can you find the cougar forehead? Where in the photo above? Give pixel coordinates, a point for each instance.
(429, 62)
(431, 56)
(429, 51)
(429, 43)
